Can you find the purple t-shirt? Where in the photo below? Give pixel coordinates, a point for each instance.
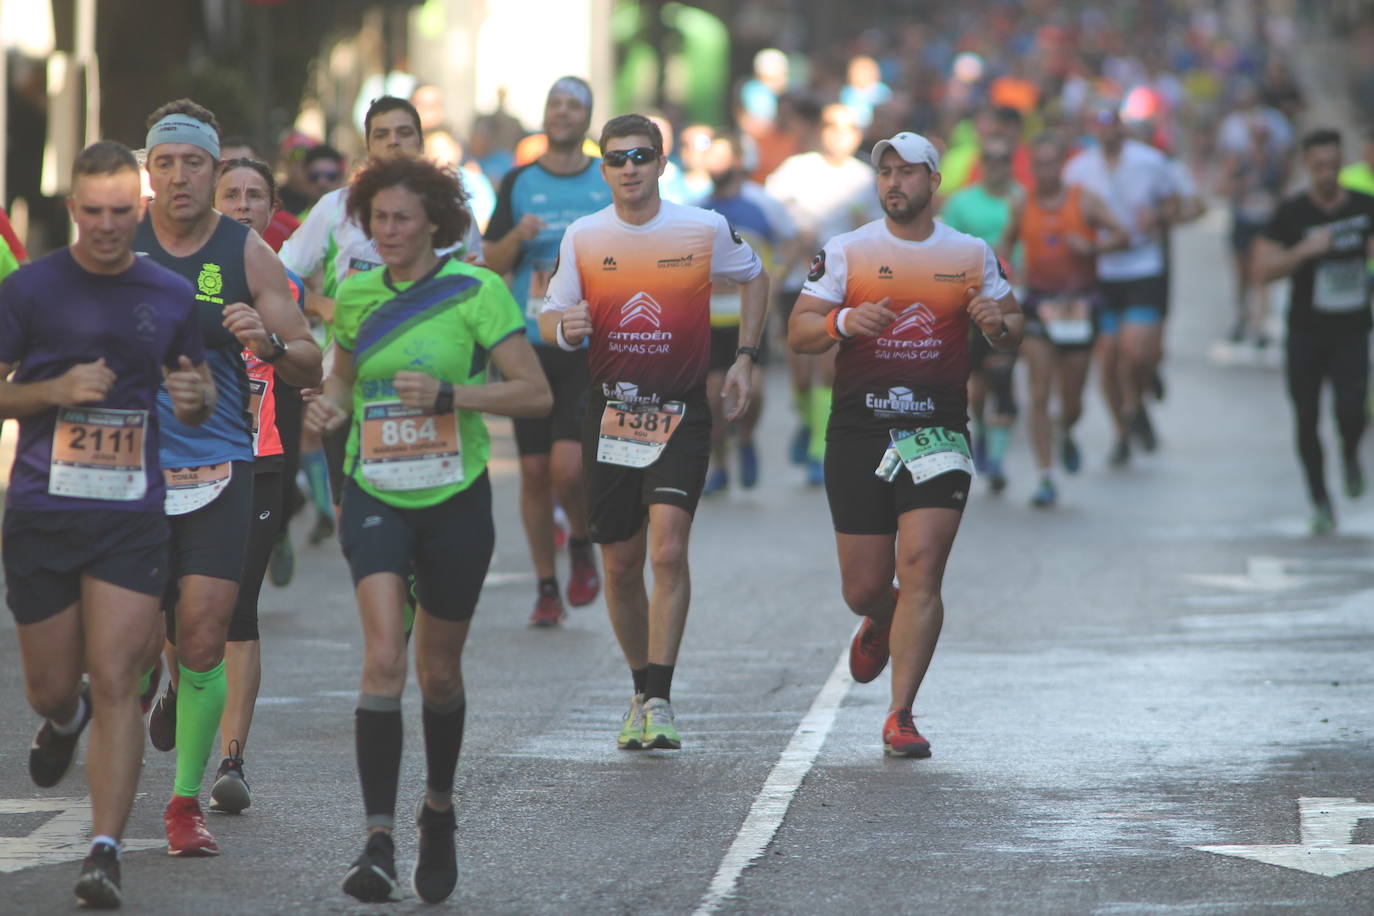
(55, 315)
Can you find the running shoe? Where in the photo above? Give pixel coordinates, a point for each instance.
(1354, 478)
(1045, 496)
(323, 530)
(584, 584)
(436, 863)
(748, 465)
(1069, 455)
(631, 737)
(281, 568)
(187, 834)
(815, 472)
(50, 755)
(548, 609)
(98, 886)
(1121, 454)
(716, 480)
(800, 446)
(868, 650)
(162, 722)
(145, 699)
(372, 877)
(900, 737)
(230, 793)
(1323, 519)
(659, 730)
(1144, 430)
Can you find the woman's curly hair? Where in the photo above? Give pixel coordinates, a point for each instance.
(441, 190)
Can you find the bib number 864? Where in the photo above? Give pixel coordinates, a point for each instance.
(409, 431)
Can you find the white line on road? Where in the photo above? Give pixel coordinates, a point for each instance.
(770, 807)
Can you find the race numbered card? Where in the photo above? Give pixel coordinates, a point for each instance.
(635, 436)
(1068, 321)
(257, 388)
(189, 489)
(1340, 286)
(409, 448)
(928, 453)
(98, 453)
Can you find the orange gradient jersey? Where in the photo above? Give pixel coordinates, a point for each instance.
(1051, 265)
(648, 289)
(915, 373)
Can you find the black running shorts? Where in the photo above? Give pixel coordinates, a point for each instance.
(47, 553)
(618, 498)
(567, 375)
(863, 503)
(448, 545)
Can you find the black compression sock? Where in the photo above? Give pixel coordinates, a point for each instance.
(658, 681)
(378, 733)
(640, 675)
(443, 724)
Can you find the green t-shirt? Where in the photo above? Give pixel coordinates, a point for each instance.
(443, 325)
(978, 213)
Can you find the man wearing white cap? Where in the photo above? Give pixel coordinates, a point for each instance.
(898, 295)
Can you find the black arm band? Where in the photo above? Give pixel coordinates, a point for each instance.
(443, 401)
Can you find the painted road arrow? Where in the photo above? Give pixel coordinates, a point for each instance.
(63, 838)
(1327, 826)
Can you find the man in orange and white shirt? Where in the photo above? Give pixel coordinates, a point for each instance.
(898, 295)
(635, 280)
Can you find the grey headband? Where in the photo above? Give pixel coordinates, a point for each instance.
(180, 128)
(575, 87)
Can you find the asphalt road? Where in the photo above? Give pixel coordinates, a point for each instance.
(1164, 662)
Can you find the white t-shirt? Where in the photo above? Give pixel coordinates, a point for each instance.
(824, 199)
(1142, 179)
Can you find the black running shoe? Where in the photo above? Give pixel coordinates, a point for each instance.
(1144, 430)
(436, 865)
(162, 721)
(281, 567)
(98, 886)
(50, 755)
(372, 878)
(230, 793)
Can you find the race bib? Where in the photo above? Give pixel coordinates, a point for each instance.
(98, 453)
(634, 437)
(256, 389)
(1068, 321)
(409, 448)
(1339, 286)
(540, 274)
(928, 453)
(189, 489)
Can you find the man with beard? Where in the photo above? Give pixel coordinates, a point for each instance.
(898, 295)
(535, 204)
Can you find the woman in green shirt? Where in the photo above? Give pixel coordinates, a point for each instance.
(413, 341)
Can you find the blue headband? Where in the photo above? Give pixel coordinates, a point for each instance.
(180, 128)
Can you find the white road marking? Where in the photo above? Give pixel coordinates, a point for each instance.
(770, 807)
(1262, 574)
(63, 838)
(1327, 826)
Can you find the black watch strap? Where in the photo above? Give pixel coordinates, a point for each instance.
(751, 352)
(278, 348)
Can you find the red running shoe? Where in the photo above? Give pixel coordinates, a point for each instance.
(583, 582)
(187, 834)
(900, 737)
(868, 652)
(548, 610)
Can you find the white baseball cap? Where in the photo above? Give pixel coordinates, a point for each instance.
(910, 146)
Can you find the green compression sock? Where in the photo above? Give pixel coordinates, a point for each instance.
(317, 474)
(200, 703)
(998, 437)
(820, 417)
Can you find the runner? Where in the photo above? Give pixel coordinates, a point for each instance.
(635, 279)
(244, 301)
(1321, 239)
(409, 381)
(1137, 185)
(246, 191)
(1253, 177)
(983, 210)
(534, 206)
(898, 295)
(826, 192)
(1061, 230)
(764, 224)
(92, 330)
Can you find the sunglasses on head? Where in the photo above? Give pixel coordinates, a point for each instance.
(640, 155)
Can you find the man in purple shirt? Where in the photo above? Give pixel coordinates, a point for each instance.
(91, 331)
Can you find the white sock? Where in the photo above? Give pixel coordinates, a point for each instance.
(72, 727)
(96, 841)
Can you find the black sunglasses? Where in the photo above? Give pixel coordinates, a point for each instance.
(640, 155)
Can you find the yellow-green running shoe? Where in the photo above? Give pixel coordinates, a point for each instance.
(659, 731)
(632, 729)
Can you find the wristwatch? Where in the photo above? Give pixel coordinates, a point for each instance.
(751, 352)
(278, 349)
